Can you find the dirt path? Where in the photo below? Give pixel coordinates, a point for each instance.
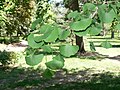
(15, 47)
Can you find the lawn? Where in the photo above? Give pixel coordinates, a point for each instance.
(99, 71)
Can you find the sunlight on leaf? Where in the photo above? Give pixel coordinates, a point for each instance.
(94, 30)
(81, 25)
(47, 49)
(52, 36)
(56, 63)
(117, 27)
(64, 34)
(68, 50)
(32, 42)
(81, 33)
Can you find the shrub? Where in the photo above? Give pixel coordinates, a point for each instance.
(7, 58)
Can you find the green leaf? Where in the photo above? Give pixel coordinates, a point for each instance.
(34, 59)
(45, 31)
(106, 17)
(68, 50)
(35, 23)
(45, 28)
(64, 34)
(52, 36)
(92, 46)
(88, 6)
(101, 12)
(118, 4)
(117, 27)
(56, 63)
(106, 44)
(74, 14)
(47, 49)
(94, 30)
(47, 34)
(114, 8)
(48, 73)
(109, 17)
(32, 43)
(39, 37)
(81, 33)
(81, 25)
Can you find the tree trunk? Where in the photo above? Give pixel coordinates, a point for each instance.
(112, 34)
(80, 43)
(73, 5)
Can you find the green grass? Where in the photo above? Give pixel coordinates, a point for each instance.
(86, 79)
(101, 72)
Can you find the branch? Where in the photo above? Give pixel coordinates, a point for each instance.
(93, 14)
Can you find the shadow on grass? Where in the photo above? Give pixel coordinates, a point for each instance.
(100, 38)
(92, 56)
(19, 78)
(115, 57)
(29, 79)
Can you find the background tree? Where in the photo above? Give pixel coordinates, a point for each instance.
(18, 15)
(74, 5)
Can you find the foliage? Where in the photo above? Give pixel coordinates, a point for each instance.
(7, 58)
(89, 21)
(16, 16)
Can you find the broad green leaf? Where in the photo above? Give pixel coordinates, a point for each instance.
(88, 6)
(34, 59)
(53, 35)
(117, 27)
(60, 30)
(114, 8)
(35, 23)
(29, 51)
(48, 73)
(32, 43)
(99, 25)
(64, 34)
(45, 28)
(106, 17)
(47, 34)
(94, 30)
(45, 31)
(81, 33)
(109, 17)
(68, 50)
(39, 37)
(81, 25)
(92, 46)
(101, 12)
(118, 4)
(56, 63)
(47, 48)
(74, 14)
(42, 37)
(106, 44)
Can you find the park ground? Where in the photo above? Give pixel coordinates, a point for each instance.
(99, 70)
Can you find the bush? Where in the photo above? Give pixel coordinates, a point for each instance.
(7, 58)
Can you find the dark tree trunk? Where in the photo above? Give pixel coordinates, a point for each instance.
(73, 5)
(112, 34)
